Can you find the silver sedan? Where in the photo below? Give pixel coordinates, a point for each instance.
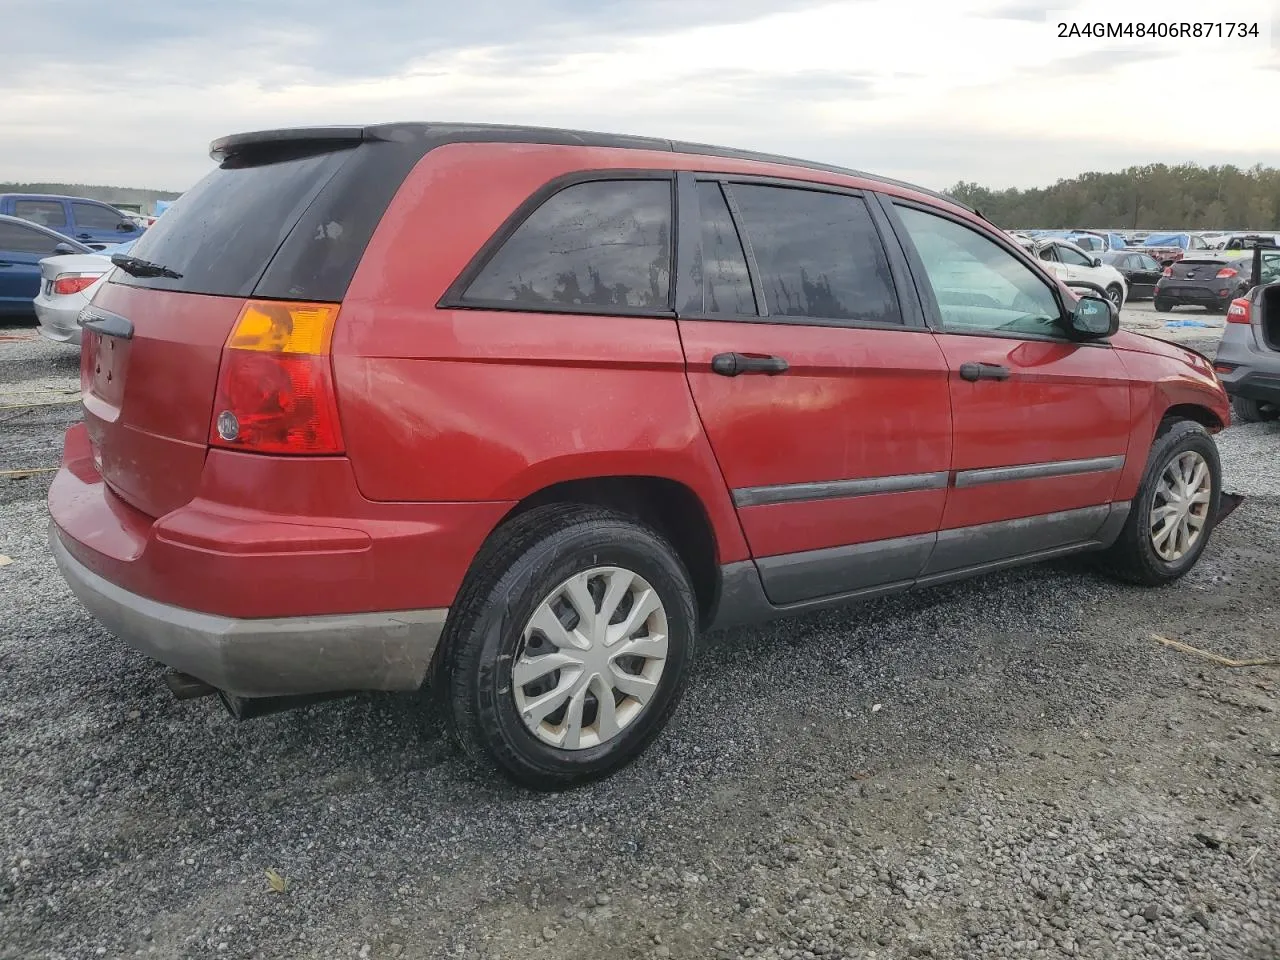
(67, 284)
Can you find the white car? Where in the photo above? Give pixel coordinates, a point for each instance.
(67, 285)
(1068, 262)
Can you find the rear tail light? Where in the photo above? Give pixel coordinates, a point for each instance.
(1239, 311)
(275, 386)
(1227, 272)
(1168, 272)
(67, 283)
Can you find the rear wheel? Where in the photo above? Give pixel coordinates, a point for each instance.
(1171, 518)
(1162, 306)
(1253, 411)
(568, 650)
(1116, 296)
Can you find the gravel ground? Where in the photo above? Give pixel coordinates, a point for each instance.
(1010, 767)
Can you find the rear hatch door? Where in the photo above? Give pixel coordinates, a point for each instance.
(1196, 278)
(152, 344)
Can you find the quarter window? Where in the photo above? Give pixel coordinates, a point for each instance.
(47, 213)
(819, 254)
(978, 284)
(602, 244)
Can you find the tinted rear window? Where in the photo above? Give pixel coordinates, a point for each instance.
(222, 233)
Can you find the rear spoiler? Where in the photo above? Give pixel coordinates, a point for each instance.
(267, 142)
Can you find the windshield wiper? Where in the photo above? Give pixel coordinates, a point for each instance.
(134, 266)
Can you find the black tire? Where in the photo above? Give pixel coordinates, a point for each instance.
(1252, 411)
(522, 564)
(1132, 558)
(1161, 306)
(1116, 296)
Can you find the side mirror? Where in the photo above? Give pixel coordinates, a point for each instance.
(126, 226)
(1094, 318)
(1097, 261)
(62, 249)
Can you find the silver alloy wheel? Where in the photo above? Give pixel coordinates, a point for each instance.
(590, 658)
(1181, 506)
(1117, 297)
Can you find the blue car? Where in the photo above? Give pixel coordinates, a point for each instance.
(22, 246)
(89, 221)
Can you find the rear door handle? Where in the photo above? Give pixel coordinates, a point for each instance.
(732, 364)
(983, 371)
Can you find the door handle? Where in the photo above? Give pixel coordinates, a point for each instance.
(732, 364)
(983, 371)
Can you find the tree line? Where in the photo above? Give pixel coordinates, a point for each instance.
(92, 192)
(1151, 197)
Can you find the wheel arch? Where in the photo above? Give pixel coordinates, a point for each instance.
(670, 507)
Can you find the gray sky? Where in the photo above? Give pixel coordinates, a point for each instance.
(932, 91)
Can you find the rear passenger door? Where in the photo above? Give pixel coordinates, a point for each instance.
(823, 393)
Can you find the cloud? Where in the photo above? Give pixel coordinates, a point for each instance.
(1032, 12)
(909, 88)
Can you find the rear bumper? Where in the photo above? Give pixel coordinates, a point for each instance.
(269, 656)
(1185, 298)
(1254, 373)
(276, 578)
(57, 320)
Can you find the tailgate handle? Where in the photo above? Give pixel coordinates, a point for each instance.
(107, 324)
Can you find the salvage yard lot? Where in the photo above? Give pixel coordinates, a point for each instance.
(1007, 767)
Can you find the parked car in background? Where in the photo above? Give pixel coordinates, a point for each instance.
(1210, 280)
(1069, 262)
(1170, 247)
(89, 221)
(1248, 357)
(525, 426)
(1093, 241)
(1140, 270)
(67, 285)
(1245, 242)
(22, 246)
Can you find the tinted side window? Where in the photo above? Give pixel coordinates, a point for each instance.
(1148, 263)
(604, 243)
(1049, 252)
(94, 217)
(19, 239)
(978, 284)
(819, 254)
(47, 213)
(722, 270)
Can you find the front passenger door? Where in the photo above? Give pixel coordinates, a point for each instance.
(1041, 424)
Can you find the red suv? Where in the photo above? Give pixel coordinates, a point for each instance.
(516, 414)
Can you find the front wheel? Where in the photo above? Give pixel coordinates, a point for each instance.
(570, 646)
(1172, 516)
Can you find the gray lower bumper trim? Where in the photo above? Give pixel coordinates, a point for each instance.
(267, 657)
